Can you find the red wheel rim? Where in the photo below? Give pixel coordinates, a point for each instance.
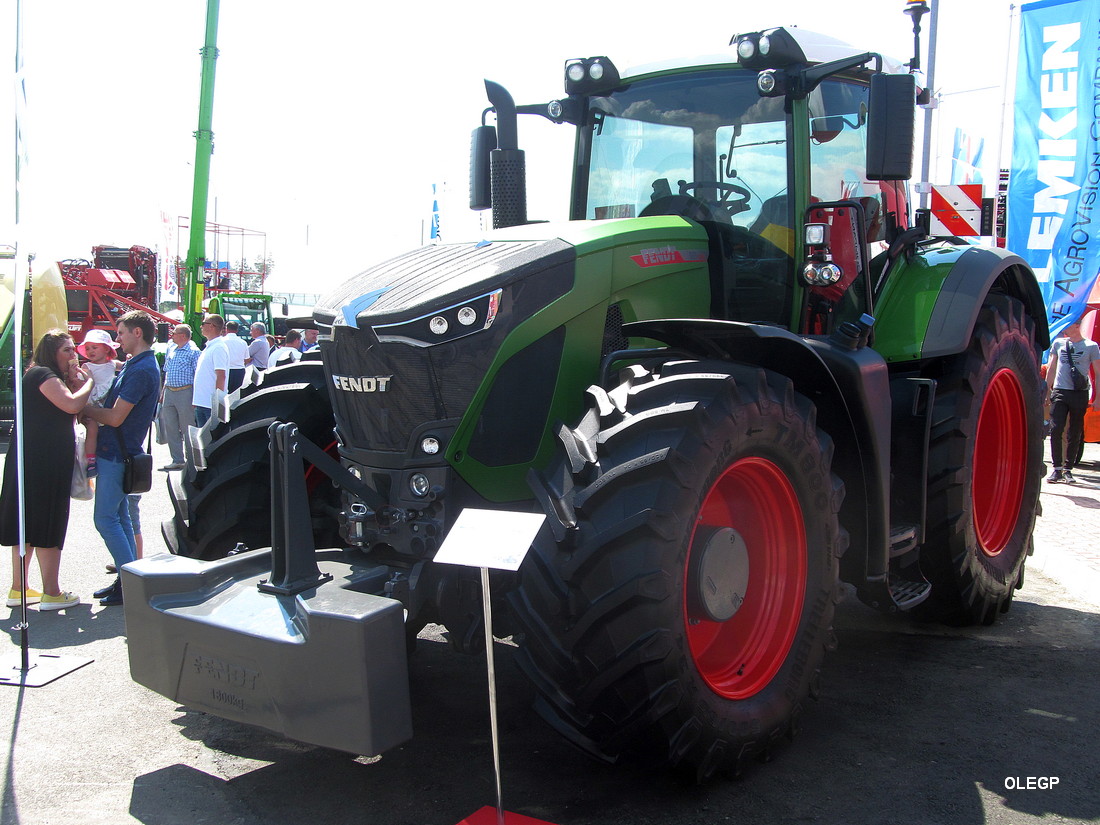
(1000, 462)
(740, 656)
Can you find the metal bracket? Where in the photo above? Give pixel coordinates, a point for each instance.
(293, 553)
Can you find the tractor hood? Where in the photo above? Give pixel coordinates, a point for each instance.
(483, 345)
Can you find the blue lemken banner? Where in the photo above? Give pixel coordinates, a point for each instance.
(1053, 203)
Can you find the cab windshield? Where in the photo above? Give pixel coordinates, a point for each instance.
(705, 145)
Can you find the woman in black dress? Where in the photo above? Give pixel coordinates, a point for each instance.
(55, 388)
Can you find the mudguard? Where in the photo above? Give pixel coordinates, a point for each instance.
(851, 390)
(930, 304)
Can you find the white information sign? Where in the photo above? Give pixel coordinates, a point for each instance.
(498, 539)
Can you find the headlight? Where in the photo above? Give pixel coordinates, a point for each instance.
(419, 485)
(444, 325)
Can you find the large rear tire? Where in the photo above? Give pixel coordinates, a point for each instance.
(230, 501)
(679, 601)
(985, 468)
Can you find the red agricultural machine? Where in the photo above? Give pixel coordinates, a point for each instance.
(114, 282)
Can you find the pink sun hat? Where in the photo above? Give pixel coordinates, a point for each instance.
(97, 336)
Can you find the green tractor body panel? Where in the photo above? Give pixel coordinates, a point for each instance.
(908, 301)
(647, 267)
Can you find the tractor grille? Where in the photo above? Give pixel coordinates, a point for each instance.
(424, 384)
(383, 391)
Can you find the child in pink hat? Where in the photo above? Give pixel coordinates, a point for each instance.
(100, 350)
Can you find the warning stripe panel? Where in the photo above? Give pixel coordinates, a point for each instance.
(957, 210)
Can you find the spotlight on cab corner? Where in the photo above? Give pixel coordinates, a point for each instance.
(590, 76)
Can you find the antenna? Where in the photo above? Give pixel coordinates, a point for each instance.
(916, 9)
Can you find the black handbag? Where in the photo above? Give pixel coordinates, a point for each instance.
(1080, 382)
(137, 470)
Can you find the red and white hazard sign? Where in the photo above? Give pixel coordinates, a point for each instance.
(957, 210)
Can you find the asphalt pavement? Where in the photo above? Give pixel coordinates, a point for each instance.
(915, 723)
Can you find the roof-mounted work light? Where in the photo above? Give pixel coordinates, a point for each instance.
(770, 49)
(590, 76)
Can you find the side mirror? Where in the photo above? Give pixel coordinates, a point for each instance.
(890, 127)
(482, 142)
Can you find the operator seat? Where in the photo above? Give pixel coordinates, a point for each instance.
(773, 223)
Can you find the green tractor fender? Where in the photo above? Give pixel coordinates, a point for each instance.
(931, 302)
(851, 391)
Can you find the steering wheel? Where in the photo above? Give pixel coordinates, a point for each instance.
(685, 206)
(733, 206)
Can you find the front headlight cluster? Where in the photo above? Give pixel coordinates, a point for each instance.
(445, 325)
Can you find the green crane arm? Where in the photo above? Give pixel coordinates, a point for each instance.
(204, 148)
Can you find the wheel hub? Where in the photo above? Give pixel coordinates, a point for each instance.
(720, 574)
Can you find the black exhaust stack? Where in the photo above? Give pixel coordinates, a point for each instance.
(508, 168)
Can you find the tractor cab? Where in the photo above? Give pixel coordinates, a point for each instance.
(754, 151)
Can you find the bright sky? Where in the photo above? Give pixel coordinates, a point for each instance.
(332, 122)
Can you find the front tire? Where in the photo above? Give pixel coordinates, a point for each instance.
(230, 501)
(985, 468)
(679, 602)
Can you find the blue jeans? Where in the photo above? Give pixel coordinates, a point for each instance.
(202, 415)
(112, 515)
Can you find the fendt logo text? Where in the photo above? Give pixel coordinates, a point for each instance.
(362, 383)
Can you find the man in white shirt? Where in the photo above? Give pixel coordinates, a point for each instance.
(288, 353)
(212, 371)
(238, 354)
(1068, 368)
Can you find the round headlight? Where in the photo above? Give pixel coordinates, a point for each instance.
(829, 274)
(746, 49)
(467, 316)
(595, 71)
(438, 325)
(765, 45)
(419, 485)
(765, 82)
(575, 72)
(554, 108)
(429, 446)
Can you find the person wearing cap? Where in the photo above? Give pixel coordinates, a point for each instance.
(177, 412)
(99, 349)
(127, 413)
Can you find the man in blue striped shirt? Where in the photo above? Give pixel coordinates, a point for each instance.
(176, 410)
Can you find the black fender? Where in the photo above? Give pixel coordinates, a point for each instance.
(977, 272)
(851, 391)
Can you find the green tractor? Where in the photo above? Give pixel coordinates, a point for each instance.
(740, 375)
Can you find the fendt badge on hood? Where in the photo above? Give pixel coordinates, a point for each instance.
(362, 383)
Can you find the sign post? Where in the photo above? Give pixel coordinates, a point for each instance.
(499, 540)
